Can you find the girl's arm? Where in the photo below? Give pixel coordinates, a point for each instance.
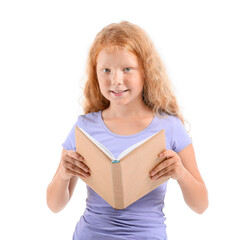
(192, 185)
(59, 191)
(182, 167)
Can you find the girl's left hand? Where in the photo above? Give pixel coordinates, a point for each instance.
(171, 167)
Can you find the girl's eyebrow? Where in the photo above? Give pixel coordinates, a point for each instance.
(134, 65)
(101, 66)
(126, 66)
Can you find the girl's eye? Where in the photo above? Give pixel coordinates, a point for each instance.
(127, 69)
(104, 70)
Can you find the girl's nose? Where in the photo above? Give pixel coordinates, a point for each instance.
(117, 78)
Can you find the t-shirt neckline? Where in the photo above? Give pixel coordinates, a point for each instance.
(101, 121)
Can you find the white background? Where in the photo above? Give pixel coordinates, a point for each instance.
(206, 48)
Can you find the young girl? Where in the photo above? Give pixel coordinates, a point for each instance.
(128, 97)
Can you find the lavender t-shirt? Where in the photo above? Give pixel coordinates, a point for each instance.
(143, 219)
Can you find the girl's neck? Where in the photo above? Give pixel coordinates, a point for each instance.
(126, 112)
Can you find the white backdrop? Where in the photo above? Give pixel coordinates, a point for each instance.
(206, 48)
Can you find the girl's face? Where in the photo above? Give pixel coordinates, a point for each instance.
(120, 70)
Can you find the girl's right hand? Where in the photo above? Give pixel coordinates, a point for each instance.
(71, 164)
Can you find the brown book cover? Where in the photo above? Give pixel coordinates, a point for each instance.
(122, 181)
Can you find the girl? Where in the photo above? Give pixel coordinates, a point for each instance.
(128, 97)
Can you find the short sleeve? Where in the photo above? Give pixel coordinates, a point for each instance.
(69, 143)
(180, 137)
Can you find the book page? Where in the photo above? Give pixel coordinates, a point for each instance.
(126, 151)
(100, 145)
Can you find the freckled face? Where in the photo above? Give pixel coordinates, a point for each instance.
(120, 70)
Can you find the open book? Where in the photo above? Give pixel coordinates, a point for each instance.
(122, 181)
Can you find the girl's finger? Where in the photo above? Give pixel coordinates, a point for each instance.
(85, 175)
(78, 163)
(165, 171)
(170, 174)
(164, 164)
(168, 153)
(76, 169)
(74, 155)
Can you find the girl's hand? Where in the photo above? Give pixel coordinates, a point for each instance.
(171, 167)
(72, 164)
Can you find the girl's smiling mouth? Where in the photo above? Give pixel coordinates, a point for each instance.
(118, 93)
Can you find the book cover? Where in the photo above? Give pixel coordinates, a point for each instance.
(122, 181)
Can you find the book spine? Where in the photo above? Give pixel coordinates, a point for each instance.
(117, 185)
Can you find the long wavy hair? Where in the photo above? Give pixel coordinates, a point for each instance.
(158, 94)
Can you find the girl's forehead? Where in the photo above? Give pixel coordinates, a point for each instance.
(117, 51)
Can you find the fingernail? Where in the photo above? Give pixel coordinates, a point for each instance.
(86, 169)
(161, 155)
(152, 173)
